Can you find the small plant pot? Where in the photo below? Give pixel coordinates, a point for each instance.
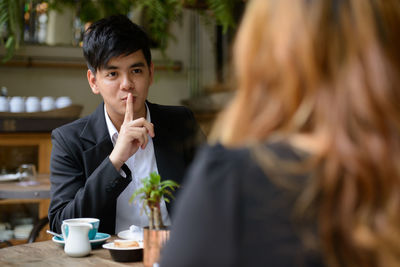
(153, 241)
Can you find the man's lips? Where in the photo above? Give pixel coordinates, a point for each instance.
(125, 98)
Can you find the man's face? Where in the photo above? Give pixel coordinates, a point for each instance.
(123, 75)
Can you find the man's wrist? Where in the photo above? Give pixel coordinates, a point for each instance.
(116, 162)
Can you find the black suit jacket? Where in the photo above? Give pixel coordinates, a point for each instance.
(84, 183)
(235, 213)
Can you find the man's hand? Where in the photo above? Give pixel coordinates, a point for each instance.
(131, 136)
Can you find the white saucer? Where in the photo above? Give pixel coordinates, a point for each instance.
(9, 177)
(99, 239)
(128, 234)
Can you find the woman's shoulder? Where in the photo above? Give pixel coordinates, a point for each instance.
(250, 164)
(219, 153)
(218, 158)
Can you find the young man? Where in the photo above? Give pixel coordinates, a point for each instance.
(98, 161)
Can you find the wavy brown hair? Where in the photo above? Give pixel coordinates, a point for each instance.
(328, 69)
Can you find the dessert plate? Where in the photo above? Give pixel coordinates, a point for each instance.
(125, 254)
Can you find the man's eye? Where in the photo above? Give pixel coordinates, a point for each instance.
(137, 71)
(111, 74)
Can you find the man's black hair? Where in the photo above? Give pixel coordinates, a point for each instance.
(112, 37)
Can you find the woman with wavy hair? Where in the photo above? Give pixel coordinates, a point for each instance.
(306, 169)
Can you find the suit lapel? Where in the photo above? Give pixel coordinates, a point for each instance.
(161, 151)
(97, 139)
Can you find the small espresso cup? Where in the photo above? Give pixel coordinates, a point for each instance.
(63, 101)
(47, 103)
(17, 104)
(93, 221)
(4, 105)
(32, 104)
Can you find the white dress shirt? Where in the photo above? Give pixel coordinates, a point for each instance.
(141, 164)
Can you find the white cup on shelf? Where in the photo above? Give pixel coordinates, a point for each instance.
(47, 103)
(32, 104)
(4, 105)
(63, 101)
(17, 104)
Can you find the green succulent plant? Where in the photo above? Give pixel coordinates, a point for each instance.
(151, 194)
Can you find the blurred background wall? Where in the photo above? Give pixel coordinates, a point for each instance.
(170, 87)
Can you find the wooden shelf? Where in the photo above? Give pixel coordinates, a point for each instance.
(44, 56)
(12, 194)
(41, 140)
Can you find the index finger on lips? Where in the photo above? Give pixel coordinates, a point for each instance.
(129, 109)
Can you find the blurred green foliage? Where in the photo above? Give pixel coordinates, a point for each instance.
(158, 14)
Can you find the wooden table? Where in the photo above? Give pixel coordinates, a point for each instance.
(48, 253)
(12, 193)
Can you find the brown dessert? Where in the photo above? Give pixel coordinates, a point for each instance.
(125, 243)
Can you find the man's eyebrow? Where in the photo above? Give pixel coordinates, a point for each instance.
(139, 64)
(110, 67)
(134, 65)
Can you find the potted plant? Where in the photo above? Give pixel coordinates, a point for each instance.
(152, 192)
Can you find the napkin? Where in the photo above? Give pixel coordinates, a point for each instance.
(136, 233)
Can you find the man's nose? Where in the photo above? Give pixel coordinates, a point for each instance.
(127, 83)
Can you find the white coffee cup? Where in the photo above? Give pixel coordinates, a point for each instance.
(32, 104)
(47, 103)
(17, 104)
(63, 101)
(93, 221)
(4, 105)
